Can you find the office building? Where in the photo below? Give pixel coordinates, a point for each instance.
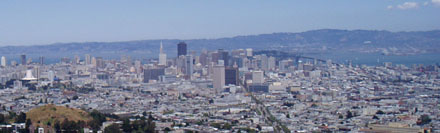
(271, 63)
(76, 60)
(264, 62)
(231, 76)
(257, 77)
(189, 65)
(100, 62)
(181, 49)
(41, 60)
(162, 56)
(87, 59)
(93, 62)
(258, 87)
(223, 55)
(3, 61)
(218, 77)
(284, 65)
(23, 59)
(51, 76)
(249, 52)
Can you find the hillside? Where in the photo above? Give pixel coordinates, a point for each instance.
(51, 113)
(331, 40)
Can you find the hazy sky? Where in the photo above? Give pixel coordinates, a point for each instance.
(28, 22)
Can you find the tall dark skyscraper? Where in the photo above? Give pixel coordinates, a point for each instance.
(23, 59)
(231, 76)
(181, 49)
(224, 55)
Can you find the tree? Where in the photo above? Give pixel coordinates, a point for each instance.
(375, 117)
(98, 116)
(2, 119)
(21, 118)
(28, 124)
(150, 124)
(126, 127)
(379, 112)
(349, 114)
(70, 126)
(227, 126)
(65, 125)
(98, 119)
(424, 119)
(94, 124)
(57, 126)
(113, 128)
(259, 127)
(75, 97)
(167, 129)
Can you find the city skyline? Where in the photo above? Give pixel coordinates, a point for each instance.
(220, 66)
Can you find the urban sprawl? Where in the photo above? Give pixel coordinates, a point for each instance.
(228, 91)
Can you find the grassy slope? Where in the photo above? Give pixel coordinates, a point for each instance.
(51, 113)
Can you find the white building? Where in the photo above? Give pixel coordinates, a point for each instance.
(162, 56)
(258, 77)
(218, 77)
(87, 59)
(3, 61)
(249, 52)
(271, 63)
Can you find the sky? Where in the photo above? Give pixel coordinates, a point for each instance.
(38, 22)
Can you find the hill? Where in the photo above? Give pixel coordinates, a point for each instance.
(330, 40)
(50, 113)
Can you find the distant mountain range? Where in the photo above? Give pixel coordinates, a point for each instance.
(324, 40)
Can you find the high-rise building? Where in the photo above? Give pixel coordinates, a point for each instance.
(181, 49)
(271, 63)
(189, 65)
(162, 56)
(23, 59)
(284, 64)
(138, 66)
(231, 76)
(3, 61)
(224, 55)
(87, 59)
(76, 59)
(93, 62)
(203, 58)
(264, 62)
(51, 76)
(37, 71)
(41, 60)
(257, 77)
(100, 62)
(249, 52)
(180, 63)
(218, 77)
